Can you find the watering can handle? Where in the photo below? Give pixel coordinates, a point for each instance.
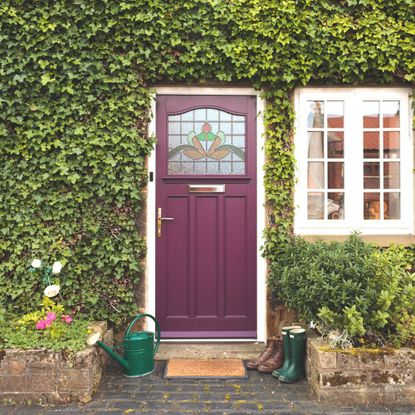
(140, 316)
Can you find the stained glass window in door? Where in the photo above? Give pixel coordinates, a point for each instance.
(206, 141)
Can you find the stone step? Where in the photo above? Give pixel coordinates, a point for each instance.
(220, 350)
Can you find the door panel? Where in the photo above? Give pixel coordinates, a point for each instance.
(206, 255)
(177, 234)
(237, 261)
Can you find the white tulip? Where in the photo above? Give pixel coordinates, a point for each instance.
(52, 290)
(93, 338)
(36, 263)
(56, 267)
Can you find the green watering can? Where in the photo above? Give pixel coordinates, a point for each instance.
(139, 350)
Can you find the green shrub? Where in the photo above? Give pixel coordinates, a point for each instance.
(355, 288)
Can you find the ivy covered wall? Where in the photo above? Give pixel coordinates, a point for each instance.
(74, 107)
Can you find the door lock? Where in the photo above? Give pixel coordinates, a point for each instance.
(159, 221)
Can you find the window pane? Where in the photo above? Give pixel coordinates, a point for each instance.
(225, 116)
(370, 114)
(335, 114)
(336, 175)
(391, 144)
(238, 167)
(392, 205)
(315, 144)
(315, 118)
(391, 179)
(239, 128)
(371, 144)
(371, 203)
(315, 206)
(180, 167)
(315, 175)
(335, 206)
(200, 115)
(335, 144)
(390, 114)
(174, 141)
(174, 127)
(212, 115)
(371, 175)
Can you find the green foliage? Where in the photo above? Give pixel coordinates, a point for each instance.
(352, 287)
(75, 105)
(59, 335)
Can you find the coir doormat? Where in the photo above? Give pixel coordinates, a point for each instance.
(205, 368)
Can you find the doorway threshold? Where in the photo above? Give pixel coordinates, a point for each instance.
(218, 349)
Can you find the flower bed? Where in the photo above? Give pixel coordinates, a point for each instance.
(41, 375)
(361, 376)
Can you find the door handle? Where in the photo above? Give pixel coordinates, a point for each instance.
(159, 221)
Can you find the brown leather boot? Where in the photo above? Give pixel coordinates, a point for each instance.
(275, 361)
(264, 356)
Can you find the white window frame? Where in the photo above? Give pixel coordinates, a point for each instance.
(353, 167)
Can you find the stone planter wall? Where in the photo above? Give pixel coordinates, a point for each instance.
(39, 375)
(378, 376)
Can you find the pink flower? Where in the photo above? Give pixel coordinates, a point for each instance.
(67, 319)
(41, 325)
(51, 317)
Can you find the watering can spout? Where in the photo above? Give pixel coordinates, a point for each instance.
(114, 355)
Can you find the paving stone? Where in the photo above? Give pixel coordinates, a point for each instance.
(64, 409)
(129, 404)
(112, 395)
(71, 412)
(29, 410)
(276, 405)
(173, 388)
(180, 396)
(147, 395)
(156, 405)
(374, 410)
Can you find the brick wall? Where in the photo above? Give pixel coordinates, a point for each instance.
(39, 375)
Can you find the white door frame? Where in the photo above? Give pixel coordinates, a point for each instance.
(150, 276)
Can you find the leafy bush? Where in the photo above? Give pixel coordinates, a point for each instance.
(357, 289)
(48, 327)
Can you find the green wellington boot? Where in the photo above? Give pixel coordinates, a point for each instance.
(295, 372)
(286, 347)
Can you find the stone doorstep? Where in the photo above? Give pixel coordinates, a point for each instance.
(222, 350)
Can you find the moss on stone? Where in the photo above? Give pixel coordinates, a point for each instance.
(360, 351)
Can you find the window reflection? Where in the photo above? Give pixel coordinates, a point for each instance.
(391, 116)
(371, 114)
(335, 114)
(315, 118)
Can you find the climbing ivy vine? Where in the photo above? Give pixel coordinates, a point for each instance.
(75, 94)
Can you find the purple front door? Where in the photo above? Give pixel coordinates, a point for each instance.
(206, 210)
